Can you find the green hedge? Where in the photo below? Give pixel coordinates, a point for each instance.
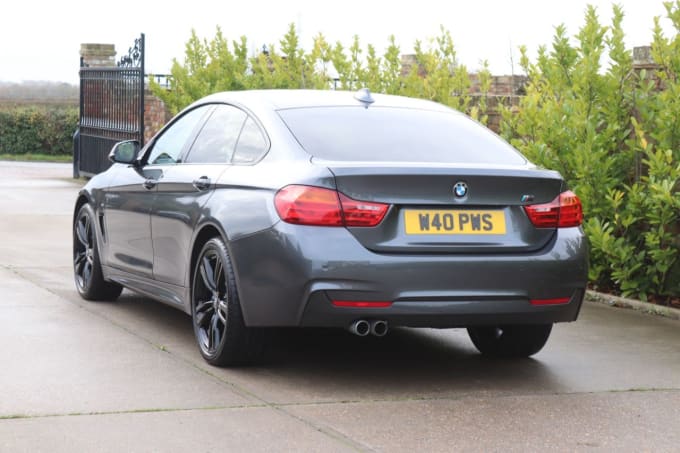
(37, 129)
(219, 65)
(613, 132)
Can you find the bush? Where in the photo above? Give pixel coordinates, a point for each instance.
(216, 65)
(614, 135)
(37, 129)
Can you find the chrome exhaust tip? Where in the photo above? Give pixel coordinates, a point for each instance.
(379, 328)
(360, 327)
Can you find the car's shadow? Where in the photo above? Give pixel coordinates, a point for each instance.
(413, 362)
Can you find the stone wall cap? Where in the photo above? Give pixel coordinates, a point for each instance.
(94, 49)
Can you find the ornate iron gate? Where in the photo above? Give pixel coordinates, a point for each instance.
(111, 109)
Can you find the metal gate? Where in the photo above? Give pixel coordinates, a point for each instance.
(111, 110)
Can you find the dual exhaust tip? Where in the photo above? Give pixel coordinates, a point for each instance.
(363, 327)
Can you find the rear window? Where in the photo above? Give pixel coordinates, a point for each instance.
(383, 134)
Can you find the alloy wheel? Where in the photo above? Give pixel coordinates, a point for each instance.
(83, 251)
(210, 302)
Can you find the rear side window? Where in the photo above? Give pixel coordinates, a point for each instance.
(217, 140)
(251, 144)
(386, 134)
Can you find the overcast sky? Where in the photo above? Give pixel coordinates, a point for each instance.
(41, 40)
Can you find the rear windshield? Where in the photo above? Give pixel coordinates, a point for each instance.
(385, 134)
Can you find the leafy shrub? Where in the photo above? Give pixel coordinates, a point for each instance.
(614, 136)
(37, 129)
(216, 65)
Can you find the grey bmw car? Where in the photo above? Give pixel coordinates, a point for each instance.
(333, 209)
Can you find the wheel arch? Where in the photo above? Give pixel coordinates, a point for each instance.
(83, 198)
(206, 232)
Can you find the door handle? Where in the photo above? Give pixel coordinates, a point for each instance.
(202, 183)
(149, 184)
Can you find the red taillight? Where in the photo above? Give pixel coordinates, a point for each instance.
(361, 304)
(556, 301)
(362, 213)
(564, 211)
(307, 205)
(571, 211)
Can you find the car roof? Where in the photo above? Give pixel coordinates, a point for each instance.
(288, 99)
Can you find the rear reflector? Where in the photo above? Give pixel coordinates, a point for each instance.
(361, 304)
(557, 301)
(564, 211)
(308, 205)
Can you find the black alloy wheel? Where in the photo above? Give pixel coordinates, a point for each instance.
(220, 331)
(87, 269)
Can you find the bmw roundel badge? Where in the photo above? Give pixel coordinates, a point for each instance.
(460, 189)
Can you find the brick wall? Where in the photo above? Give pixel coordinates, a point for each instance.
(505, 89)
(156, 114)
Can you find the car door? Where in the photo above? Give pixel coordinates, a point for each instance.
(129, 200)
(186, 187)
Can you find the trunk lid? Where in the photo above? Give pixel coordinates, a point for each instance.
(426, 216)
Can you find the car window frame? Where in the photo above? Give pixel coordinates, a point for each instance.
(209, 108)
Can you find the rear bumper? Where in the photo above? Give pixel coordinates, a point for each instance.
(458, 312)
(289, 275)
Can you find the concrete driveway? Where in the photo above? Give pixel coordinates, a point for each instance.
(127, 376)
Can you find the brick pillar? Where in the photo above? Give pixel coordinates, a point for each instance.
(642, 58)
(407, 62)
(98, 55)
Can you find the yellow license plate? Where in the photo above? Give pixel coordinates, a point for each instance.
(439, 221)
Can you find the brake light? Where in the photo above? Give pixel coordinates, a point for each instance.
(564, 211)
(362, 213)
(308, 205)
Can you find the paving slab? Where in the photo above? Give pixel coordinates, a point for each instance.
(612, 421)
(59, 359)
(219, 430)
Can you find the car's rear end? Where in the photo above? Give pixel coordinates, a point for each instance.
(432, 221)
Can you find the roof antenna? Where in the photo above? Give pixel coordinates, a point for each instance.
(363, 95)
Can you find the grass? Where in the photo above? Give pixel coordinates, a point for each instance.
(37, 157)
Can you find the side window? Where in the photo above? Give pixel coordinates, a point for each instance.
(216, 141)
(169, 146)
(251, 144)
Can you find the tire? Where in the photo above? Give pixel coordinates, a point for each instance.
(87, 268)
(510, 341)
(221, 334)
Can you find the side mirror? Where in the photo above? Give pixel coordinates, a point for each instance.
(124, 152)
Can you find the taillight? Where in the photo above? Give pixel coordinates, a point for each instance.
(564, 211)
(308, 205)
(362, 213)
